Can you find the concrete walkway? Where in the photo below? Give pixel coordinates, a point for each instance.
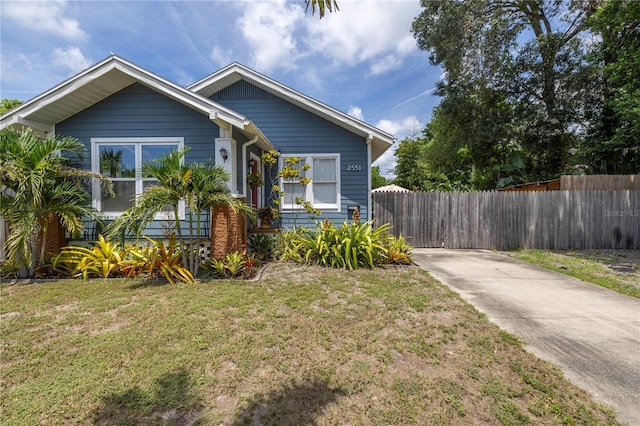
(591, 333)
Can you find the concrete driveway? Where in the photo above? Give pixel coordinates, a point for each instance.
(591, 333)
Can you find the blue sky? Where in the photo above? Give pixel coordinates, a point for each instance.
(362, 60)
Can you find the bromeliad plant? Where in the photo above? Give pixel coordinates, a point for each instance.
(199, 185)
(108, 259)
(167, 260)
(233, 265)
(350, 246)
(103, 260)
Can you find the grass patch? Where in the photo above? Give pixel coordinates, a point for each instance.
(304, 345)
(618, 270)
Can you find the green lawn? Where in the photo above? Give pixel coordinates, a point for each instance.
(618, 270)
(303, 345)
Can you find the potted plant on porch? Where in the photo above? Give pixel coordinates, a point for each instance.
(266, 215)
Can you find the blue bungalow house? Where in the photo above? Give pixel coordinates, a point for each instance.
(232, 116)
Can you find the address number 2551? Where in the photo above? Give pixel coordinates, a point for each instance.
(354, 168)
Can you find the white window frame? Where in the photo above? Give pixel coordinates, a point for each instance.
(308, 159)
(137, 143)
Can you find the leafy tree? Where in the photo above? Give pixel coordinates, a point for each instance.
(613, 139)
(419, 168)
(470, 137)
(479, 45)
(411, 168)
(199, 185)
(377, 180)
(7, 104)
(38, 180)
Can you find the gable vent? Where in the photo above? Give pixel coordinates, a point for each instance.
(241, 90)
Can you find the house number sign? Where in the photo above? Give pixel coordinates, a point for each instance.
(354, 168)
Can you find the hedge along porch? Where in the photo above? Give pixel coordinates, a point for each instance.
(231, 117)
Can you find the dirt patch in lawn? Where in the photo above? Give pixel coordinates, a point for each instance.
(304, 345)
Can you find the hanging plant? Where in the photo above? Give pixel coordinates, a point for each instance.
(254, 180)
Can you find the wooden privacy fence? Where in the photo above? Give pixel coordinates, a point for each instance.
(508, 220)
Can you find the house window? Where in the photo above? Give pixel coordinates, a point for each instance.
(324, 189)
(120, 160)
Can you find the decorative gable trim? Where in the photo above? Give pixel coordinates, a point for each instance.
(103, 80)
(220, 80)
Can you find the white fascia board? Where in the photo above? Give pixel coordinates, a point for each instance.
(183, 95)
(333, 114)
(45, 98)
(48, 128)
(216, 76)
(236, 72)
(180, 94)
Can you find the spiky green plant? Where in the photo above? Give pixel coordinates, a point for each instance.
(167, 260)
(289, 246)
(234, 262)
(398, 250)
(100, 261)
(199, 185)
(350, 246)
(38, 180)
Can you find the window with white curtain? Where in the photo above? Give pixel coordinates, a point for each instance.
(120, 160)
(324, 189)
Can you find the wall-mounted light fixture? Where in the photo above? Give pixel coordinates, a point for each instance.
(252, 162)
(224, 154)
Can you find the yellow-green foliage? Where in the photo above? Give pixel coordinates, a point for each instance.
(233, 265)
(350, 246)
(107, 259)
(168, 261)
(102, 260)
(398, 251)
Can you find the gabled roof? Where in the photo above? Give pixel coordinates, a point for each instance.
(390, 188)
(103, 80)
(380, 140)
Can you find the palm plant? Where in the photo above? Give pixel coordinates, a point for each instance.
(37, 180)
(200, 186)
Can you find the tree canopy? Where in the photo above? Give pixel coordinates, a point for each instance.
(7, 104)
(529, 92)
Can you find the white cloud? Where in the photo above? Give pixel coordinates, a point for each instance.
(373, 32)
(221, 56)
(356, 112)
(71, 59)
(44, 16)
(407, 127)
(268, 28)
(376, 33)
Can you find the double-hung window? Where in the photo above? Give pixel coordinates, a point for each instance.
(120, 160)
(324, 189)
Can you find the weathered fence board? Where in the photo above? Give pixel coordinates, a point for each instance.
(600, 182)
(589, 219)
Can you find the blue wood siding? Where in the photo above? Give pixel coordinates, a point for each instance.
(138, 111)
(293, 130)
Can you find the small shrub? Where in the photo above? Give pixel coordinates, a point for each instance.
(8, 269)
(262, 245)
(398, 251)
(289, 246)
(233, 265)
(168, 261)
(350, 246)
(103, 260)
(252, 262)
